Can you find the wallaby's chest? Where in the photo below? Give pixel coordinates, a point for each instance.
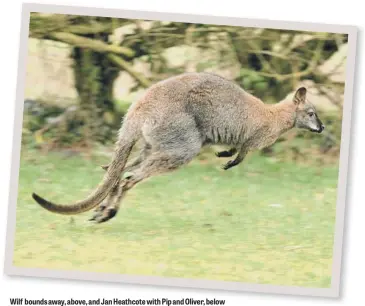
(263, 138)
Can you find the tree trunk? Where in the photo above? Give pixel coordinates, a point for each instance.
(94, 77)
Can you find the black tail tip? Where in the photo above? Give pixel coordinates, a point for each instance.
(36, 197)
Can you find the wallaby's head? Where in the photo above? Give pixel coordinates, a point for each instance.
(306, 115)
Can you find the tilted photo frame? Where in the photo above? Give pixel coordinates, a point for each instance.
(332, 287)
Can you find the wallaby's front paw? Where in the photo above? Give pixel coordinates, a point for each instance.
(228, 153)
(223, 154)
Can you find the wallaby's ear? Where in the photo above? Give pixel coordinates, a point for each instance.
(300, 95)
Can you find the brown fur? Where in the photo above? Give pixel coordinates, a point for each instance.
(176, 118)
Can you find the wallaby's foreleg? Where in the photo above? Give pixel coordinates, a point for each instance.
(228, 153)
(239, 158)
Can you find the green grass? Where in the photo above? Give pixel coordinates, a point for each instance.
(261, 222)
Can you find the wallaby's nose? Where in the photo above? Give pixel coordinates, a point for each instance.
(323, 126)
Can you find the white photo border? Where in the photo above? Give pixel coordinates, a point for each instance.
(333, 291)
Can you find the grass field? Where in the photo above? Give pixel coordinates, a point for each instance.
(262, 222)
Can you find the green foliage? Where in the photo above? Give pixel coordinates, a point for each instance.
(271, 63)
(122, 106)
(252, 81)
(37, 116)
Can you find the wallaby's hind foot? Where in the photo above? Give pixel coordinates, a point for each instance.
(112, 206)
(109, 208)
(103, 207)
(105, 215)
(98, 211)
(228, 153)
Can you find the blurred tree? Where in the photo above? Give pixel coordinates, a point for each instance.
(271, 62)
(94, 68)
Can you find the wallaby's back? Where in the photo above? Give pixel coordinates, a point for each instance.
(223, 112)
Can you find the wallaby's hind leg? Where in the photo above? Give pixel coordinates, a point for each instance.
(114, 192)
(113, 204)
(145, 151)
(228, 153)
(107, 207)
(156, 163)
(170, 150)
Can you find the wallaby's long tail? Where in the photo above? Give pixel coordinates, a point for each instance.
(126, 141)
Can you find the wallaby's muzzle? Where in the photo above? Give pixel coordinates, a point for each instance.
(320, 125)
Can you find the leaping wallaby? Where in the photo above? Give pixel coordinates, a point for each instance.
(178, 116)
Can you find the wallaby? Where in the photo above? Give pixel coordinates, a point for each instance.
(175, 118)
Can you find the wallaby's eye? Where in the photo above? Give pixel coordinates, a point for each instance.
(311, 114)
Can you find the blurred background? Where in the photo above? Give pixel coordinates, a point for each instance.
(270, 220)
(83, 73)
